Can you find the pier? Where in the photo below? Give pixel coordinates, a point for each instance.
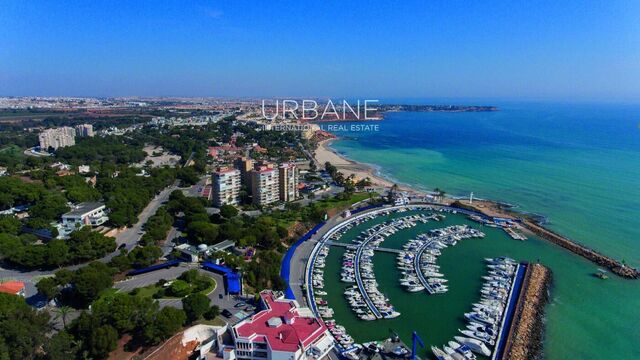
(416, 265)
(359, 282)
(353, 247)
(510, 309)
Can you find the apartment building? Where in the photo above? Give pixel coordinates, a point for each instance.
(265, 185)
(226, 187)
(84, 130)
(288, 179)
(57, 138)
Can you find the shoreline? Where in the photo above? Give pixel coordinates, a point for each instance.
(489, 208)
(349, 167)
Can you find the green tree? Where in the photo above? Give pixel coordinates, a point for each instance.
(62, 313)
(57, 252)
(102, 341)
(202, 232)
(48, 287)
(212, 313)
(62, 346)
(89, 281)
(228, 211)
(179, 288)
(166, 323)
(195, 305)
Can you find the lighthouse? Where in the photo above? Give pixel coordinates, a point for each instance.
(471, 198)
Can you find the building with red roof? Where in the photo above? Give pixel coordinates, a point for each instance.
(282, 331)
(12, 287)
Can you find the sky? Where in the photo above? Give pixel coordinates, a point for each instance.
(557, 50)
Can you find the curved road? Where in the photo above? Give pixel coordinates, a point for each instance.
(129, 237)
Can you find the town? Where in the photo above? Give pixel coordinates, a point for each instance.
(155, 235)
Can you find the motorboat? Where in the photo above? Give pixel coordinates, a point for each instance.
(474, 345)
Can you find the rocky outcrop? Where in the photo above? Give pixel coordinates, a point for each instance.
(615, 266)
(525, 337)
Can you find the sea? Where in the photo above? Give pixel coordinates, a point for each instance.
(577, 166)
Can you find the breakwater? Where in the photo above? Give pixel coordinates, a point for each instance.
(492, 209)
(615, 266)
(525, 336)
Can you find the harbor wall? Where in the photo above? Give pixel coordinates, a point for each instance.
(493, 209)
(525, 336)
(615, 266)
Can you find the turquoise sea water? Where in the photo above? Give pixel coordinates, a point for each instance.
(577, 165)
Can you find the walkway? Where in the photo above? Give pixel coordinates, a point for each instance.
(507, 318)
(416, 265)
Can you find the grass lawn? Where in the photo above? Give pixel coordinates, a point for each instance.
(150, 290)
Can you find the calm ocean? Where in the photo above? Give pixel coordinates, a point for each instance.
(577, 165)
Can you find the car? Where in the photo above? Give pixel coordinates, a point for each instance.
(226, 313)
(240, 304)
(220, 296)
(122, 246)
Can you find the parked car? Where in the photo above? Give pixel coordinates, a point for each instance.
(226, 313)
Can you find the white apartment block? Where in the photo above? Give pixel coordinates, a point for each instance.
(84, 130)
(288, 178)
(226, 187)
(265, 185)
(57, 138)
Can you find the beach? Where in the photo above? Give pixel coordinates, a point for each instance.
(348, 167)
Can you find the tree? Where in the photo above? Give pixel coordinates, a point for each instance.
(62, 346)
(202, 232)
(58, 252)
(144, 256)
(102, 341)
(62, 313)
(179, 288)
(228, 211)
(166, 323)
(212, 313)
(22, 329)
(48, 287)
(91, 280)
(195, 305)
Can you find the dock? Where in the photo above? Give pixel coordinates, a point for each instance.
(416, 265)
(508, 316)
(359, 282)
(352, 247)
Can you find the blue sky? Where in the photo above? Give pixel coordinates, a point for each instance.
(559, 50)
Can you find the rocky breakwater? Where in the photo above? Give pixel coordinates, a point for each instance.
(525, 337)
(615, 266)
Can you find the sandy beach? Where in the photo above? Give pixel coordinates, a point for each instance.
(348, 167)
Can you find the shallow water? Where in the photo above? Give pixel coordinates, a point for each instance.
(577, 165)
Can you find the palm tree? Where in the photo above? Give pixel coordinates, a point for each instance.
(61, 313)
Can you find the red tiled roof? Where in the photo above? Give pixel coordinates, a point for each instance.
(294, 332)
(11, 287)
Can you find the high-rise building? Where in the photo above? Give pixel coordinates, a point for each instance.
(226, 187)
(84, 130)
(57, 138)
(264, 185)
(288, 179)
(245, 165)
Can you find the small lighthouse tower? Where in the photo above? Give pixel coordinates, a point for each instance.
(471, 198)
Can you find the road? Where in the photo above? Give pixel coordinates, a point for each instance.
(217, 296)
(130, 237)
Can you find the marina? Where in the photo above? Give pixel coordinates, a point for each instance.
(417, 237)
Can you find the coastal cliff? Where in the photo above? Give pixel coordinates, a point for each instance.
(525, 338)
